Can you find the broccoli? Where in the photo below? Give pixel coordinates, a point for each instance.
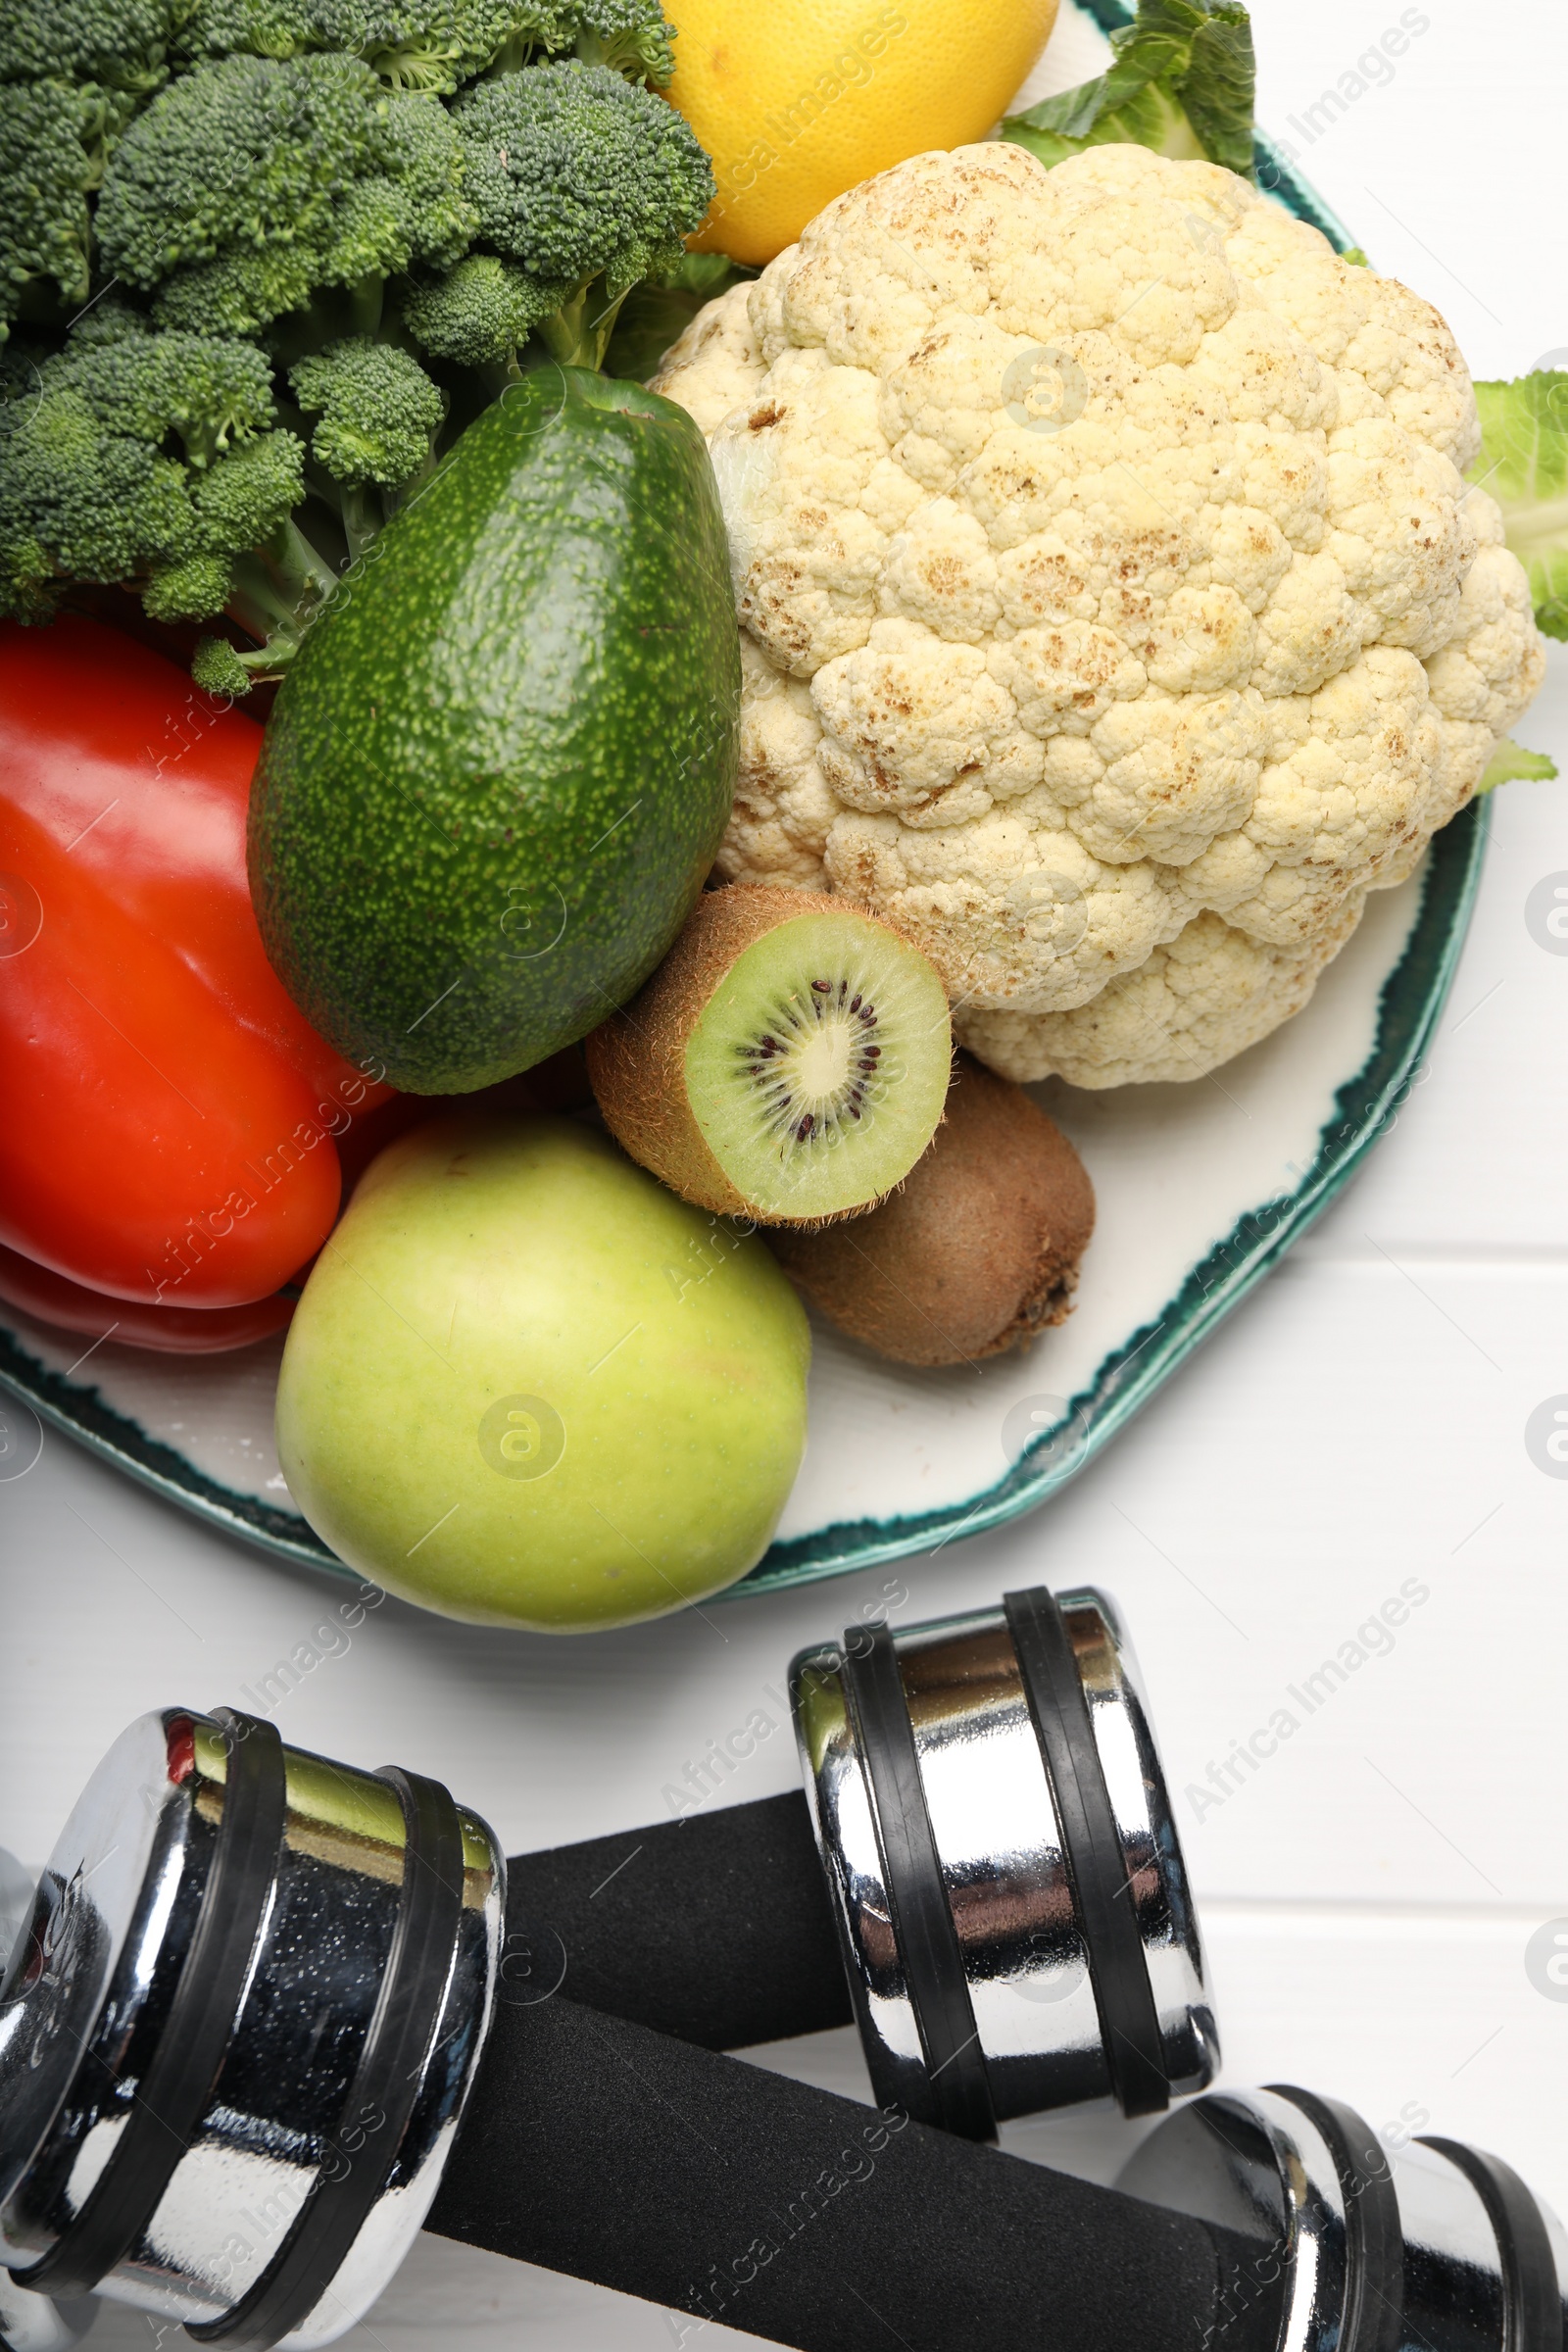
(144, 458)
(583, 179)
(629, 37)
(481, 313)
(46, 172)
(204, 390)
(266, 258)
(378, 415)
(248, 185)
(436, 45)
(72, 75)
(121, 43)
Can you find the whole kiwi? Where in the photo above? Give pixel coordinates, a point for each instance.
(977, 1250)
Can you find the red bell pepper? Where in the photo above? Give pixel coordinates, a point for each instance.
(168, 1114)
(49, 1298)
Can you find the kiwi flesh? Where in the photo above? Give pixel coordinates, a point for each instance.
(977, 1250)
(788, 1062)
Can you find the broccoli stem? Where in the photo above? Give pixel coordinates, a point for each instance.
(517, 50)
(495, 375)
(578, 333)
(278, 591)
(393, 501)
(361, 511)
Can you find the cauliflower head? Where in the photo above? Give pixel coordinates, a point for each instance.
(1115, 615)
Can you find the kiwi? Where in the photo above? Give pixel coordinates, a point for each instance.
(978, 1249)
(788, 1060)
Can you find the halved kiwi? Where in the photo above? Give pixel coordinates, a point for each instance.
(788, 1060)
(977, 1251)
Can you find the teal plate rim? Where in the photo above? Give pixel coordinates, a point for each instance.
(1410, 1007)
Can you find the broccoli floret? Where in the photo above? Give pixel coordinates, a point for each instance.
(436, 45)
(630, 37)
(206, 389)
(78, 503)
(218, 669)
(431, 45)
(377, 415)
(481, 313)
(46, 172)
(239, 503)
(190, 590)
(92, 488)
(584, 180)
(248, 184)
(108, 320)
(377, 411)
(277, 29)
(121, 43)
(426, 168)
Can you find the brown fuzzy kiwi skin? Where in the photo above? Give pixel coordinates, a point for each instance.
(978, 1249)
(637, 1059)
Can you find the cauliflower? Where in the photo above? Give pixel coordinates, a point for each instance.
(1114, 614)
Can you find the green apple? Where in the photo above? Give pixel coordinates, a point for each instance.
(527, 1386)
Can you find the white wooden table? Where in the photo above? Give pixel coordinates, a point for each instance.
(1370, 1893)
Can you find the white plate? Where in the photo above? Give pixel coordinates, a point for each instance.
(1200, 1188)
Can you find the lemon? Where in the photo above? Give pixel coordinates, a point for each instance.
(797, 100)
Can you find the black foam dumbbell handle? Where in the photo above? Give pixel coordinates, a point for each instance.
(717, 2189)
(716, 1928)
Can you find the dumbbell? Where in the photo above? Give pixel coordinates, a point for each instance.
(252, 2004)
(983, 1872)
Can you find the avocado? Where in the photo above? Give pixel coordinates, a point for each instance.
(498, 770)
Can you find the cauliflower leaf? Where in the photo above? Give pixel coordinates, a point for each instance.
(1524, 465)
(1182, 82)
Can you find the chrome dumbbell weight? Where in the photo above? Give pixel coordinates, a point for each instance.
(238, 2028)
(1444, 2251)
(984, 1873)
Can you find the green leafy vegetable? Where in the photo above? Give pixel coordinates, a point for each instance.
(1523, 465)
(1511, 764)
(1182, 82)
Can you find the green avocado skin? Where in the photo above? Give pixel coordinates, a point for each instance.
(496, 773)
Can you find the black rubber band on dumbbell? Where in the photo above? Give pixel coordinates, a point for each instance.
(386, 2081)
(1129, 2022)
(177, 2087)
(921, 1917)
(1374, 2234)
(1531, 2294)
